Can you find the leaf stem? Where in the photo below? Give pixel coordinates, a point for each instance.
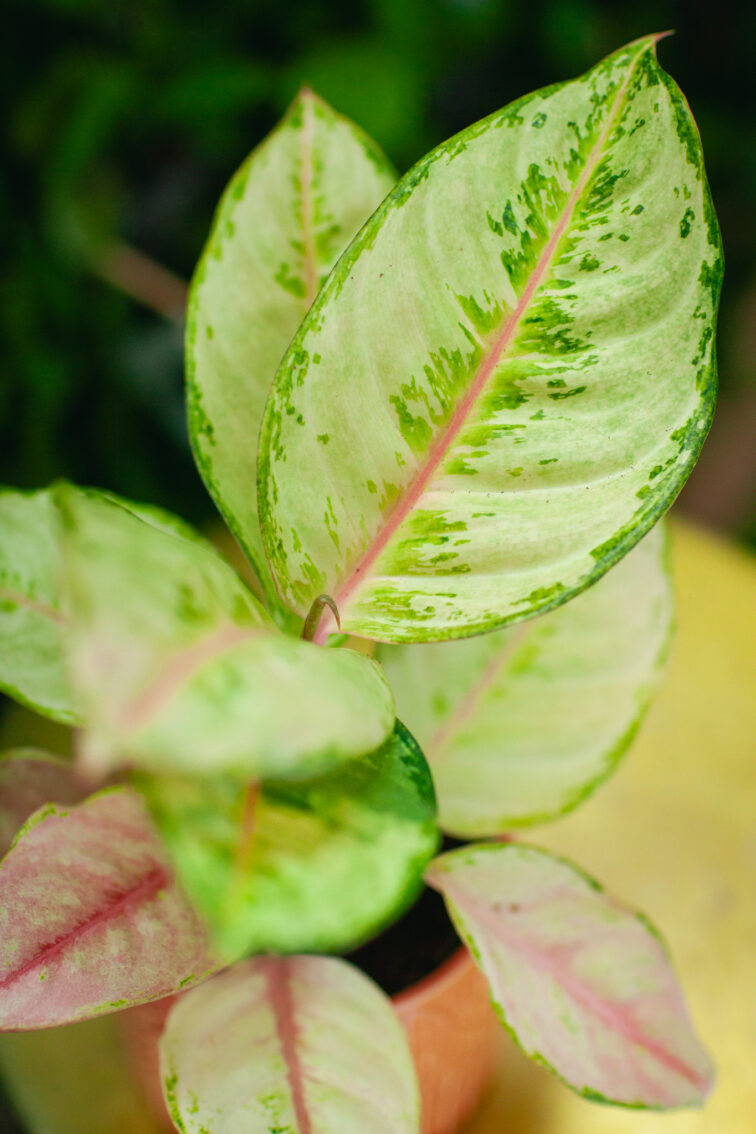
(248, 827)
(141, 277)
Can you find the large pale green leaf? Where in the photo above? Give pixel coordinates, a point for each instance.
(32, 620)
(298, 1045)
(284, 220)
(178, 668)
(509, 374)
(284, 868)
(584, 984)
(521, 724)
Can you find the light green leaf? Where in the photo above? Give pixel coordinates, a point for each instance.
(282, 868)
(584, 984)
(32, 619)
(284, 220)
(511, 365)
(522, 724)
(178, 668)
(300, 1045)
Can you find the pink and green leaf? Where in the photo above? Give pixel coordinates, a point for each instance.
(282, 224)
(305, 1045)
(91, 918)
(29, 779)
(509, 374)
(179, 669)
(520, 725)
(584, 984)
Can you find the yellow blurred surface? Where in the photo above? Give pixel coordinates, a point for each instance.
(674, 833)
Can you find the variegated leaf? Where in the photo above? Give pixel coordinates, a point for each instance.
(32, 619)
(284, 220)
(509, 374)
(305, 1045)
(91, 919)
(584, 984)
(520, 725)
(282, 867)
(178, 668)
(30, 778)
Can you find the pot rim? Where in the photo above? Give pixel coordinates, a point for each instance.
(417, 994)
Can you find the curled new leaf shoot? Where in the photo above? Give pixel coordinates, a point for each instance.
(312, 622)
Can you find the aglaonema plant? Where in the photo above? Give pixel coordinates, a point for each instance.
(489, 381)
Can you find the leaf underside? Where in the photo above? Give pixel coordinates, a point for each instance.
(583, 984)
(283, 222)
(520, 725)
(302, 1045)
(509, 374)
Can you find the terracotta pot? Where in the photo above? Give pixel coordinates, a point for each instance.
(449, 1022)
(452, 1031)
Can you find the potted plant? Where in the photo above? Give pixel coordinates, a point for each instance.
(500, 374)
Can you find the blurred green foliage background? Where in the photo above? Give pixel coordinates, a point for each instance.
(123, 120)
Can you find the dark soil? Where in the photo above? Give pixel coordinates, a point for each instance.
(412, 948)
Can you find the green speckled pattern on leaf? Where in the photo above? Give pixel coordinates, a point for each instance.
(520, 725)
(284, 220)
(288, 1045)
(513, 364)
(313, 866)
(178, 668)
(584, 984)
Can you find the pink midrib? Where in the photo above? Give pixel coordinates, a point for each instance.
(468, 704)
(608, 1013)
(180, 669)
(32, 604)
(456, 423)
(157, 879)
(277, 972)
